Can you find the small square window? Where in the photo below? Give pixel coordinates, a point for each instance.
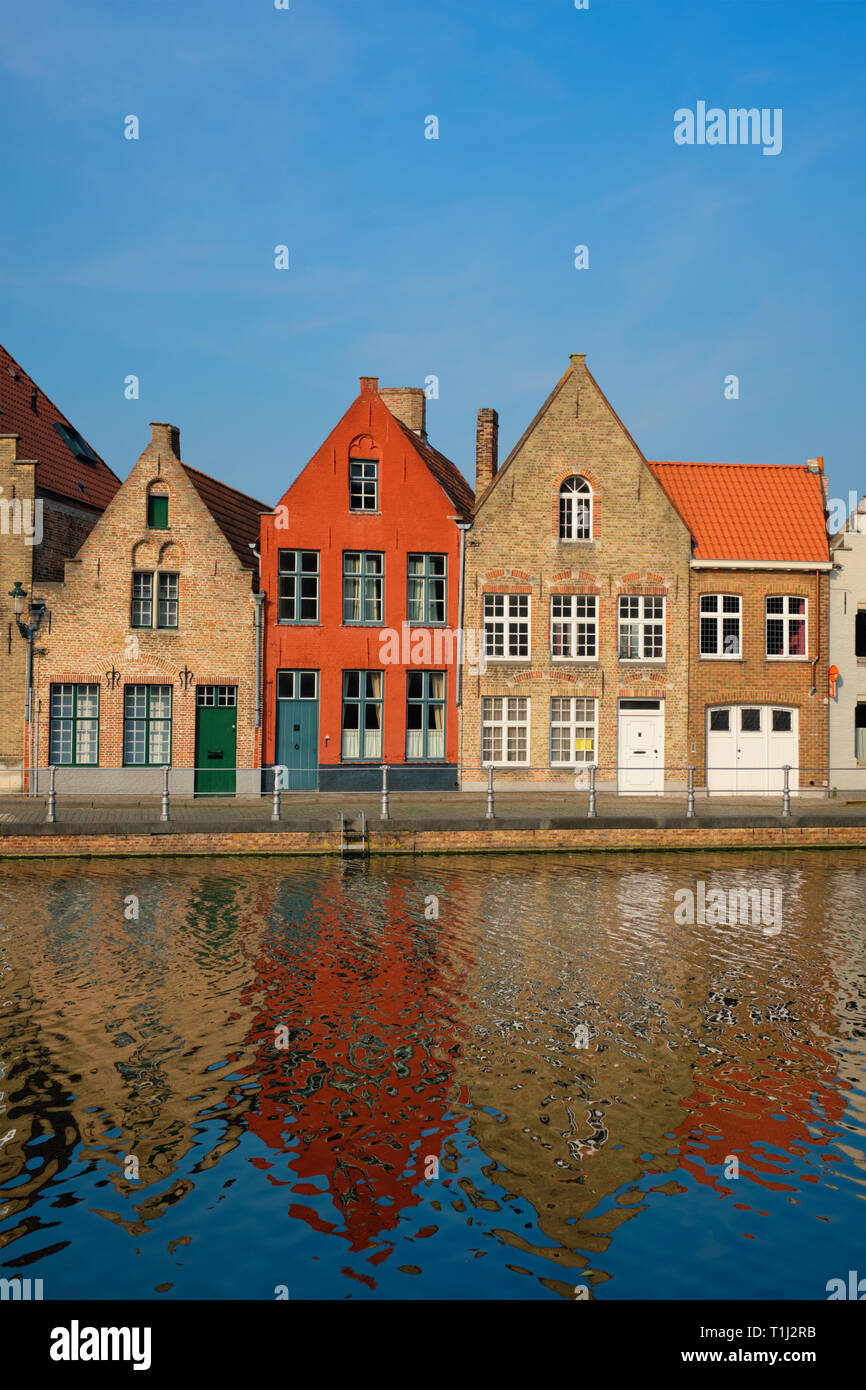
(781, 721)
(285, 685)
(750, 721)
(307, 685)
(720, 721)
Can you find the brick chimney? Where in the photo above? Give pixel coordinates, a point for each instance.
(409, 404)
(486, 448)
(165, 439)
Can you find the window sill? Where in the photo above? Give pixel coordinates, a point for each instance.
(642, 660)
(704, 657)
(575, 661)
(787, 660)
(508, 660)
(292, 622)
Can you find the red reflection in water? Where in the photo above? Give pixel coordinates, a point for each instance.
(359, 1099)
(741, 1110)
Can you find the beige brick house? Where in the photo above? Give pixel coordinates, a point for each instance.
(577, 573)
(53, 489)
(152, 647)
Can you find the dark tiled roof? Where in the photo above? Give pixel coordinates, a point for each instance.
(444, 471)
(59, 471)
(235, 514)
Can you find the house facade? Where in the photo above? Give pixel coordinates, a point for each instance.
(577, 582)
(152, 645)
(361, 569)
(759, 586)
(848, 654)
(53, 489)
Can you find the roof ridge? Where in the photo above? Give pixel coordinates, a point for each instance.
(716, 463)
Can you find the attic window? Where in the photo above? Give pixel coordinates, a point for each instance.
(73, 441)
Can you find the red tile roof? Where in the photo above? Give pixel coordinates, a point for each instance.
(748, 511)
(446, 473)
(59, 471)
(235, 514)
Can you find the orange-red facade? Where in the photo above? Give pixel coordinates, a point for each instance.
(358, 638)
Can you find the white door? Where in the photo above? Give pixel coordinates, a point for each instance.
(748, 746)
(751, 736)
(641, 747)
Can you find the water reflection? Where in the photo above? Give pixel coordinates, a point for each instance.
(550, 1084)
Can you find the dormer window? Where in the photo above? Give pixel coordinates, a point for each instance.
(575, 510)
(363, 485)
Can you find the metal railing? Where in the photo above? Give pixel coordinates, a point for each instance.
(66, 784)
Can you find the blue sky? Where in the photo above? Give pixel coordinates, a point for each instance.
(452, 257)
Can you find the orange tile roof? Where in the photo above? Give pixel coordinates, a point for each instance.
(749, 511)
(59, 470)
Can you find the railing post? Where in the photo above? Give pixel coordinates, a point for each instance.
(590, 810)
(490, 813)
(690, 802)
(385, 813)
(51, 815)
(786, 791)
(275, 808)
(164, 813)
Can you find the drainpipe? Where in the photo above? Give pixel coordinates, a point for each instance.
(258, 600)
(463, 527)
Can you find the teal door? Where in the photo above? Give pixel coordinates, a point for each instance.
(216, 739)
(298, 729)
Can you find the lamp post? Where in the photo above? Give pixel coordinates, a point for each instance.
(28, 630)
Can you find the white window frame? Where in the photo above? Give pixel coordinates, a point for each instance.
(718, 615)
(504, 719)
(510, 621)
(643, 622)
(574, 723)
(570, 490)
(571, 623)
(786, 617)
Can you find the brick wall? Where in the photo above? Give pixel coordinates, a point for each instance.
(17, 482)
(751, 678)
(639, 545)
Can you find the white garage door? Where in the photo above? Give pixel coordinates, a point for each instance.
(747, 747)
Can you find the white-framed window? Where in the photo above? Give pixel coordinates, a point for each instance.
(574, 627)
(575, 510)
(505, 729)
(786, 626)
(641, 627)
(720, 623)
(506, 626)
(573, 730)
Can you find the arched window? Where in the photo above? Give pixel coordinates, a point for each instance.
(575, 510)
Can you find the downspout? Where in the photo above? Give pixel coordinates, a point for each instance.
(463, 527)
(258, 600)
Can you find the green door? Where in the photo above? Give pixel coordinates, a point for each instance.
(298, 729)
(216, 739)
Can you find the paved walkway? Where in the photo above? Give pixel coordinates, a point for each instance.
(419, 810)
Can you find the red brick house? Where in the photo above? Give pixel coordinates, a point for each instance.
(361, 569)
(53, 489)
(758, 623)
(151, 654)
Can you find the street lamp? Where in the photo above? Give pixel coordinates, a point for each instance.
(17, 598)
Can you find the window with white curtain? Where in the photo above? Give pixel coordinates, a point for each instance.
(425, 714)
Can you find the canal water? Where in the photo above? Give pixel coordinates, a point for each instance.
(465, 1077)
